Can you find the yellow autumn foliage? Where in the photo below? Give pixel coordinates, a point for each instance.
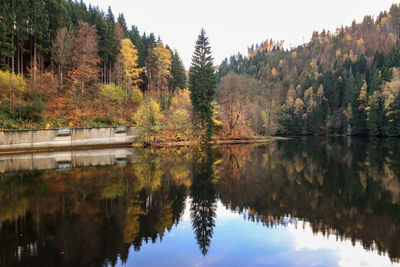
(131, 72)
(112, 92)
(148, 114)
(163, 59)
(362, 97)
(298, 106)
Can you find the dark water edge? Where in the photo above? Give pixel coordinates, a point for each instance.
(304, 198)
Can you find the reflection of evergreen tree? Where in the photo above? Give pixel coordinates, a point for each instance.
(204, 196)
(178, 205)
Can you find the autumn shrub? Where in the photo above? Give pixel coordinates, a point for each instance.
(181, 99)
(113, 93)
(149, 117)
(102, 121)
(32, 112)
(57, 122)
(45, 85)
(181, 119)
(180, 109)
(11, 85)
(136, 96)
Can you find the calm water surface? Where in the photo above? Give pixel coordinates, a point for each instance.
(299, 202)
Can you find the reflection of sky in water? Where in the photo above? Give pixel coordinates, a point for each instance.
(238, 242)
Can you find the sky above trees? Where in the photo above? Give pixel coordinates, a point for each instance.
(233, 25)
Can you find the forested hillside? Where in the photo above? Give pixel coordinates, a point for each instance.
(63, 63)
(66, 64)
(338, 83)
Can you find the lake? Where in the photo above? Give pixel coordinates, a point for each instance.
(298, 202)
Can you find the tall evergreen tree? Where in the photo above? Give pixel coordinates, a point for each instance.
(7, 49)
(178, 77)
(137, 40)
(39, 27)
(203, 84)
(122, 22)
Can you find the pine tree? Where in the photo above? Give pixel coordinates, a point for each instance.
(21, 20)
(122, 22)
(137, 40)
(202, 84)
(178, 77)
(39, 27)
(7, 49)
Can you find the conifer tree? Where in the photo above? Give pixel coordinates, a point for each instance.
(178, 77)
(7, 48)
(202, 84)
(39, 27)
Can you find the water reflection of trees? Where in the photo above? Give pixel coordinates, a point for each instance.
(92, 216)
(89, 216)
(348, 189)
(204, 200)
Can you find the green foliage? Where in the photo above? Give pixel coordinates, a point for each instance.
(7, 50)
(15, 117)
(115, 94)
(178, 76)
(103, 121)
(39, 21)
(202, 84)
(34, 111)
(148, 115)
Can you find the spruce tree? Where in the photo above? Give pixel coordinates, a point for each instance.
(202, 84)
(178, 76)
(7, 49)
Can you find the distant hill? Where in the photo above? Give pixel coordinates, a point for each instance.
(337, 83)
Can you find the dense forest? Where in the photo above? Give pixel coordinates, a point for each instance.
(66, 64)
(346, 82)
(63, 63)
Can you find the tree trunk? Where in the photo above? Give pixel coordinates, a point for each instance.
(22, 60)
(269, 117)
(61, 80)
(18, 60)
(109, 71)
(13, 56)
(34, 62)
(104, 72)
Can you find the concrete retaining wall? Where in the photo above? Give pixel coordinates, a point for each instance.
(66, 138)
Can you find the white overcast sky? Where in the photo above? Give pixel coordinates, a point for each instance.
(234, 25)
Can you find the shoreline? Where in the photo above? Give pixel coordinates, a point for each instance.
(140, 145)
(198, 142)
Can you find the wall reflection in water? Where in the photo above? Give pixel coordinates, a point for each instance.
(93, 215)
